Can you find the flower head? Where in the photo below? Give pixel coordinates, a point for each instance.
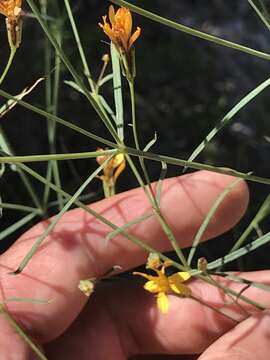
(87, 286)
(161, 284)
(114, 167)
(12, 10)
(111, 171)
(119, 29)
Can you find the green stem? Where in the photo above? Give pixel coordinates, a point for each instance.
(70, 156)
(79, 45)
(9, 63)
(22, 333)
(8, 150)
(73, 72)
(166, 228)
(135, 136)
(19, 207)
(133, 111)
(261, 16)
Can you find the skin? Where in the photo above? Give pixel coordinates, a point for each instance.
(121, 319)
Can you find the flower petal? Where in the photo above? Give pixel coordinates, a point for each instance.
(134, 37)
(177, 286)
(152, 286)
(112, 15)
(184, 275)
(127, 22)
(163, 302)
(119, 170)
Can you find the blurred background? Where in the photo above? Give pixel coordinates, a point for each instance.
(184, 86)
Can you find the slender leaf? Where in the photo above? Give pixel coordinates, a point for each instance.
(228, 117)
(117, 88)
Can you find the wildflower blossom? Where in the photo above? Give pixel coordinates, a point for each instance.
(111, 171)
(161, 284)
(12, 10)
(114, 167)
(119, 29)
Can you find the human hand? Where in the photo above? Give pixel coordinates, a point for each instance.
(121, 319)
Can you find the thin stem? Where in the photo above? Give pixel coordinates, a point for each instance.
(22, 333)
(8, 149)
(166, 228)
(52, 125)
(135, 135)
(9, 63)
(73, 72)
(79, 45)
(70, 156)
(258, 12)
(19, 207)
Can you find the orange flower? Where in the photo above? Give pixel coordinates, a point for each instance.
(119, 29)
(111, 171)
(11, 9)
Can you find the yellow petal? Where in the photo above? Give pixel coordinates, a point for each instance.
(117, 160)
(111, 15)
(181, 289)
(134, 37)
(177, 286)
(152, 286)
(146, 276)
(163, 302)
(120, 169)
(184, 275)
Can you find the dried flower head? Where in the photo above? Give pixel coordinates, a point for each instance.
(87, 286)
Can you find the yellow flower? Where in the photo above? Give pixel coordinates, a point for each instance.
(114, 167)
(111, 171)
(161, 285)
(119, 29)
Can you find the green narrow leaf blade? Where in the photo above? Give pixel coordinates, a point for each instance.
(117, 88)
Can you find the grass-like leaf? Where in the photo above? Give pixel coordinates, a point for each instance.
(17, 225)
(228, 117)
(208, 218)
(117, 89)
